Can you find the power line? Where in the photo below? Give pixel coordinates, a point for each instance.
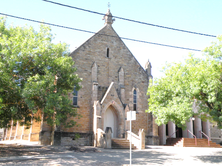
(135, 21)
(82, 30)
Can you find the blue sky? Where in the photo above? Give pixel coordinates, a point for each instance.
(202, 16)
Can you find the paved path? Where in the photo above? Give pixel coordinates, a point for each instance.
(152, 156)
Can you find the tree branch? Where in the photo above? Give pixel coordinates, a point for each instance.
(207, 103)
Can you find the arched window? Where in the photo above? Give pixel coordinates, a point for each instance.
(134, 100)
(75, 97)
(107, 52)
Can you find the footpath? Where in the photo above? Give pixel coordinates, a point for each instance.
(21, 153)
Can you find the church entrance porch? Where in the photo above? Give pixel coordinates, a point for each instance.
(111, 120)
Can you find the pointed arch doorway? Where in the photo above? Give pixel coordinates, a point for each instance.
(111, 120)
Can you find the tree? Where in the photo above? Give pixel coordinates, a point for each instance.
(35, 74)
(196, 80)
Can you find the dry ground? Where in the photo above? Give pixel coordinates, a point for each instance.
(9, 150)
(15, 154)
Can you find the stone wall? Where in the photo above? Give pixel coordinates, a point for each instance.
(1, 134)
(71, 138)
(152, 140)
(216, 135)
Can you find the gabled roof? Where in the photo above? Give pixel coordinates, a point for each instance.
(108, 31)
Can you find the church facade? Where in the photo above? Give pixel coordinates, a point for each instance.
(113, 83)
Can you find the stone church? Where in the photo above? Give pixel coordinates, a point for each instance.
(113, 83)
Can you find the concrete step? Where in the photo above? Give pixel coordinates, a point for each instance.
(190, 142)
(121, 144)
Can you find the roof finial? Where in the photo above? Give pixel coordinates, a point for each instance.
(148, 68)
(108, 17)
(148, 65)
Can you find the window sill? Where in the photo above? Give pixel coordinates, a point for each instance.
(76, 106)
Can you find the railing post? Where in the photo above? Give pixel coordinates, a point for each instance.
(201, 132)
(193, 136)
(208, 142)
(171, 136)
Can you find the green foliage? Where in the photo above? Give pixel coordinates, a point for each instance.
(35, 74)
(196, 80)
(77, 136)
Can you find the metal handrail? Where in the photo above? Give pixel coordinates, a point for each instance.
(172, 134)
(201, 132)
(193, 136)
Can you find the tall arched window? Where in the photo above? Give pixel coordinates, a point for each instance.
(107, 52)
(75, 97)
(134, 100)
